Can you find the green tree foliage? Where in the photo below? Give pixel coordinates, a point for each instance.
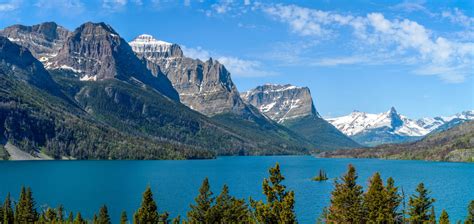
(470, 213)
(79, 219)
(229, 209)
(70, 218)
(25, 209)
(444, 217)
(103, 217)
(123, 218)
(200, 212)
(375, 200)
(148, 211)
(432, 216)
(279, 206)
(8, 215)
(347, 200)
(392, 200)
(419, 205)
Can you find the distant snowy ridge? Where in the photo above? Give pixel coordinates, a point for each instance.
(359, 122)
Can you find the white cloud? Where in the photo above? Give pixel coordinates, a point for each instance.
(236, 66)
(457, 16)
(9, 6)
(376, 37)
(114, 5)
(65, 7)
(340, 61)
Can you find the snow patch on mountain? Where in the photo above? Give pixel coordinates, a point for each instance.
(359, 122)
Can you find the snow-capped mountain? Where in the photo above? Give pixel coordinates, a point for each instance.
(390, 126)
(281, 102)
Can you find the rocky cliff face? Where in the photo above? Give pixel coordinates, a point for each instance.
(203, 86)
(43, 40)
(281, 102)
(94, 51)
(293, 107)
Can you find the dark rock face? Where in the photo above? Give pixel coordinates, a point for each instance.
(43, 40)
(17, 62)
(281, 102)
(206, 87)
(96, 52)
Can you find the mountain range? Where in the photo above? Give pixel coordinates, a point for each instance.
(89, 94)
(392, 127)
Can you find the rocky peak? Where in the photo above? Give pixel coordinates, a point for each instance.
(281, 102)
(43, 40)
(18, 63)
(206, 87)
(147, 46)
(95, 51)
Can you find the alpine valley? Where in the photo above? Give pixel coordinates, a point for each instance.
(89, 94)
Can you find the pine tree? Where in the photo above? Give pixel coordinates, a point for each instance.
(148, 211)
(470, 213)
(200, 212)
(123, 218)
(375, 200)
(228, 209)
(444, 217)
(8, 215)
(70, 219)
(79, 219)
(432, 216)
(103, 217)
(25, 209)
(1, 214)
(50, 215)
(279, 206)
(392, 200)
(347, 200)
(60, 212)
(419, 205)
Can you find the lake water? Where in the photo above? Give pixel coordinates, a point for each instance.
(86, 185)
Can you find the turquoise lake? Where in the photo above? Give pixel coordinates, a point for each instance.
(86, 185)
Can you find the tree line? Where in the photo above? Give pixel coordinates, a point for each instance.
(380, 203)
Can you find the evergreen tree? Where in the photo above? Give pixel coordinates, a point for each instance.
(228, 209)
(375, 200)
(1, 214)
(79, 219)
(279, 206)
(470, 213)
(95, 220)
(200, 212)
(25, 209)
(104, 217)
(123, 218)
(60, 212)
(347, 200)
(392, 200)
(148, 211)
(8, 215)
(444, 217)
(419, 205)
(50, 215)
(70, 219)
(432, 216)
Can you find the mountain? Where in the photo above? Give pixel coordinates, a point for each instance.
(207, 87)
(202, 86)
(454, 144)
(43, 40)
(293, 107)
(390, 127)
(44, 123)
(109, 101)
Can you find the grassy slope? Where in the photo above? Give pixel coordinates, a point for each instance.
(455, 144)
(322, 134)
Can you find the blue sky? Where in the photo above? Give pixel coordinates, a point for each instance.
(357, 55)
